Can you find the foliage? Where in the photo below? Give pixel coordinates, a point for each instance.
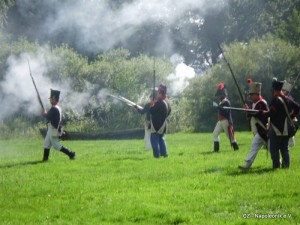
(290, 29)
(118, 182)
(4, 7)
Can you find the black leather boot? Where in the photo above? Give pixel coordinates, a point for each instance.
(235, 146)
(68, 152)
(216, 146)
(46, 154)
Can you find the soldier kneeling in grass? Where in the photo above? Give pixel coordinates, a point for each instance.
(53, 117)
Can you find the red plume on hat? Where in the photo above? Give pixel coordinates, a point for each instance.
(221, 90)
(249, 80)
(221, 86)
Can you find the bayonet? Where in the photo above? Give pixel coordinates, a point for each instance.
(37, 92)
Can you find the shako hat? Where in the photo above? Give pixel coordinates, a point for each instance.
(221, 90)
(54, 93)
(286, 86)
(162, 89)
(254, 87)
(277, 85)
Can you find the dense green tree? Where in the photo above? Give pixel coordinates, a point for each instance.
(200, 32)
(4, 7)
(290, 29)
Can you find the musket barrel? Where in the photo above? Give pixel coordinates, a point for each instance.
(233, 76)
(240, 109)
(128, 102)
(153, 91)
(37, 92)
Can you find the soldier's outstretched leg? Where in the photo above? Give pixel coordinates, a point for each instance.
(68, 152)
(46, 154)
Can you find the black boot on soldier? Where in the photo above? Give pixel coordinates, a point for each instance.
(235, 146)
(68, 152)
(46, 154)
(216, 146)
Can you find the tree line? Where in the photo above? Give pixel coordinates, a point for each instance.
(260, 40)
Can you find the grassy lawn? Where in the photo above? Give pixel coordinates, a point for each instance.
(118, 182)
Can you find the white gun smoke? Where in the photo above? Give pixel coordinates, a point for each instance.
(18, 93)
(98, 26)
(179, 80)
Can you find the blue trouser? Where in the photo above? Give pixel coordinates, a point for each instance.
(158, 145)
(279, 144)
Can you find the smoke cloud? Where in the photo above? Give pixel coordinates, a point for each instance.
(180, 78)
(17, 90)
(95, 25)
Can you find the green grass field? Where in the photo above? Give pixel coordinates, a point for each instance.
(118, 182)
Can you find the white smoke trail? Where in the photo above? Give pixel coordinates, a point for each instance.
(179, 80)
(99, 27)
(17, 90)
(18, 93)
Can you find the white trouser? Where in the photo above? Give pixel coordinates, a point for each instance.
(147, 137)
(292, 142)
(222, 125)
(256, 145)
(51, 139)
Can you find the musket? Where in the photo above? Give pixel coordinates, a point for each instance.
(240, 109)
(128, 102)
(153, 91)
(233, 76)
(37, 92)
(234, 108)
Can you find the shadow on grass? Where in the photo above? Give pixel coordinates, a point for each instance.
(130, 158)
(213, 153)
(238, 171)
(257, 170)
(21, 164)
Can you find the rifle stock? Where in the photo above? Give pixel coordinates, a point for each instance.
(37, 92)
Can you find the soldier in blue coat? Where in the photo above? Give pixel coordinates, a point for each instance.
(278, 133)
(53, 117)
(160, 109)
(224, 119)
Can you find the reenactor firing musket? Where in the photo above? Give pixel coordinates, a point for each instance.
(128, 102)
(37, 92)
